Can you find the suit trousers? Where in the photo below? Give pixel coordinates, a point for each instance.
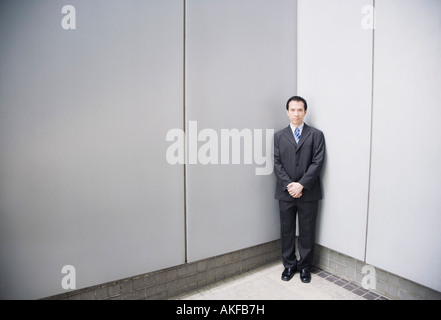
(307, 216)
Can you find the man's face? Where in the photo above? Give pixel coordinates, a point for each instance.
(296, 112)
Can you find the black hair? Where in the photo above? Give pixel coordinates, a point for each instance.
(296, 98)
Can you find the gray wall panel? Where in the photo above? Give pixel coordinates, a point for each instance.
(83, 119)
(335, 76)
(405, 206)
(240, 72)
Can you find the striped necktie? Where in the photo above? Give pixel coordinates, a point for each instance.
(297, 134)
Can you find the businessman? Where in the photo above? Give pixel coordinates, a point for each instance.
(299, 151)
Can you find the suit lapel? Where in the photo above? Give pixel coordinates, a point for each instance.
(305, 133)
(290, 136)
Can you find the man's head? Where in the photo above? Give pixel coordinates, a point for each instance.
(296, 108)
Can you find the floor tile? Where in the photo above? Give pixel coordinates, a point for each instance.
(264, 283)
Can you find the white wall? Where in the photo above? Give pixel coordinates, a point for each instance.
(335, 76)
(382, 199)
(405, 206)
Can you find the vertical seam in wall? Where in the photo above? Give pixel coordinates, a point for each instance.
(297, 45)
(371, 131)
(184, 110)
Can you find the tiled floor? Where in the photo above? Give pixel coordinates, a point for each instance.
(265, 284)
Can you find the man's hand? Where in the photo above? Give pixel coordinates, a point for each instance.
(295, 189)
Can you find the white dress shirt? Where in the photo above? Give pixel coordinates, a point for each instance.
(293, 128)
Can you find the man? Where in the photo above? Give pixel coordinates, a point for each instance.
(299, 152)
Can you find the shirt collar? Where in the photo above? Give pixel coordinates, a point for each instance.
(293, 128)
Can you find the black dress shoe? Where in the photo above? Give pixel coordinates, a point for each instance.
(305, 275)
(288, 273)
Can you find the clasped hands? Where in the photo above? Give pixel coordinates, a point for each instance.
(295, 189)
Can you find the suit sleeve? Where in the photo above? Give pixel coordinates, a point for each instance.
(312, 173)
(283, 178)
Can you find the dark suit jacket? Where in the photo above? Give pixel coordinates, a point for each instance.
(299, 163)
